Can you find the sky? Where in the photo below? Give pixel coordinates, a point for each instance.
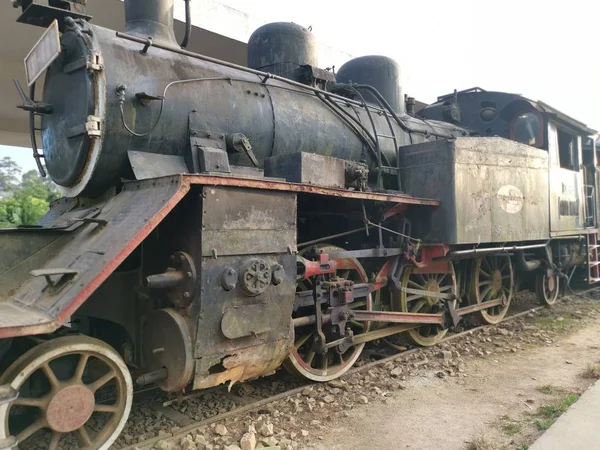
(22, 156)
(544, 50)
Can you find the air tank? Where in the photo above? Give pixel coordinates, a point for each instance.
(381, 72)
(281, 47)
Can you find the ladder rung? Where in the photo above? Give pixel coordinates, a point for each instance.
(389, 169)
(594, 263)
(387, 136)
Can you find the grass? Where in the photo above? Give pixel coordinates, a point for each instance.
(512, 428)
(480, 443)
(551, 323)
(549, 413)
(591, 371)
(547, 389)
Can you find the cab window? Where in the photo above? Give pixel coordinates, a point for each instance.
(568, 151)
(527, 129)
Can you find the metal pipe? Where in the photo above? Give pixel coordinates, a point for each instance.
(375, 136)
(164, 280)
(333, 236)
(382, 333)
(398, 317)
(152, 377)
(310, 320)
(263, 75)
(479, 306)
(523, 265)
(389, 109)
(485, 251)
(150, 19)
(353, 123)
(410, 106)
(188, 25)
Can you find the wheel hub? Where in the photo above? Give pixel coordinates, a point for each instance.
(70, 408)
(497, 281)
(432, 286)
(551, 284)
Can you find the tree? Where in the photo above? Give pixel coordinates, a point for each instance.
(9, 173)
(28, 200)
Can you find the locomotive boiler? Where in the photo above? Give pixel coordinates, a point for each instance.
(220, 222)
(110, 98)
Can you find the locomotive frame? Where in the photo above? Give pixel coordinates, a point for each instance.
(197, 270)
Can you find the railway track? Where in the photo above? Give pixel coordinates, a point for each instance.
(185, 426)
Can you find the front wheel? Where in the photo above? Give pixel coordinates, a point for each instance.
(74, 392)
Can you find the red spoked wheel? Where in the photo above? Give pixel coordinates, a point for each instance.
(546, 288)
(303, 360)
(441, 283)
(61, 385)
(491, 279)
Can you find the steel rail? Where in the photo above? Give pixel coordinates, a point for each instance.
(183, 431)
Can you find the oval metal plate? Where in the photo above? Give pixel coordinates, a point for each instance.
(250, 320)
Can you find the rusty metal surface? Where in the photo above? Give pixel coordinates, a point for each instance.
(232, 221)
(398, 317)
(481, 306)
(151, 165)
(243, 364)
(276, 116)
(491, 189)
(242, 222)
(247, 270)
(167, 344)
(93, 250)
(307, 168)
(214, 180)
(250, 320)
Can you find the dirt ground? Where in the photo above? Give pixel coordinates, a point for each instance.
(495, 400)
(492, 388)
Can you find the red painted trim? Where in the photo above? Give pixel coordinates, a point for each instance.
(89, 289)
(212, 180)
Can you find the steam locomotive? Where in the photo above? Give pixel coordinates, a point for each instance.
(219, 222)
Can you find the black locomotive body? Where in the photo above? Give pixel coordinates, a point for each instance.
(220, 222)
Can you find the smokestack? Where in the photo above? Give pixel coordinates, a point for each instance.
(150, 18)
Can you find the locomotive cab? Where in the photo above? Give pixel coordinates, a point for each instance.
(572, 183)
